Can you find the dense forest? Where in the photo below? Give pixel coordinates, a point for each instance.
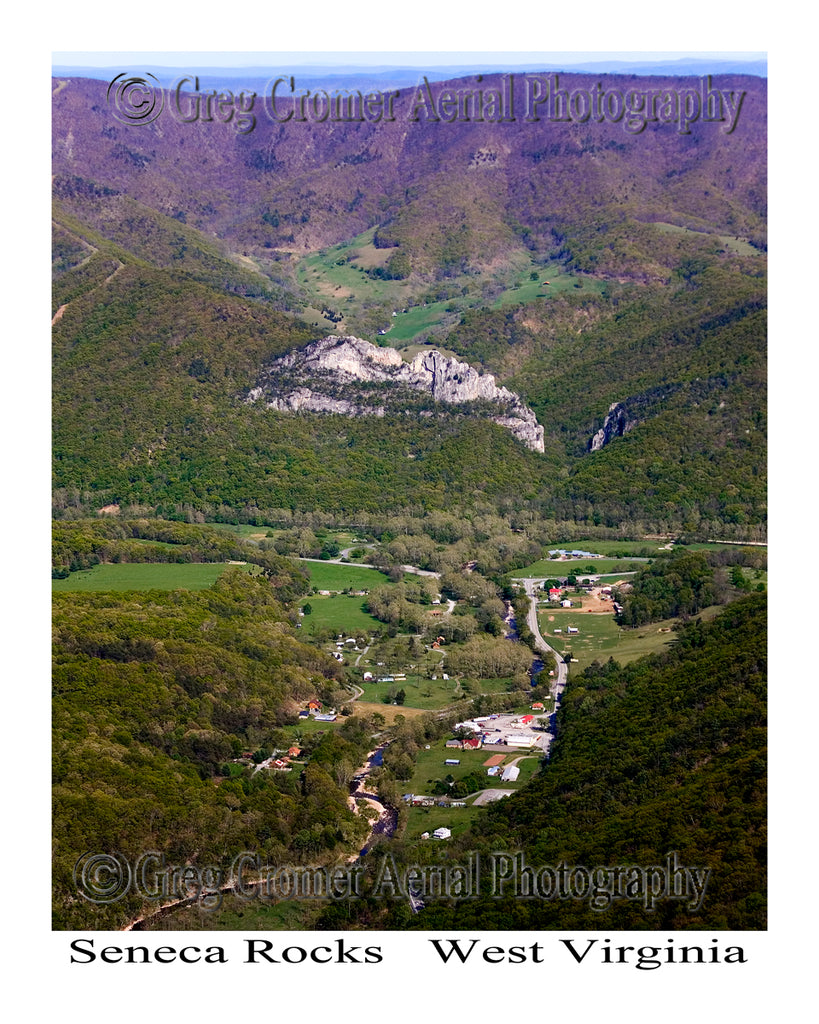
(156, 696)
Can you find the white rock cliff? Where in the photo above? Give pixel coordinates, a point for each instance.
(312, 378)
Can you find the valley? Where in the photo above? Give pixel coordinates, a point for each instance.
(365, 444)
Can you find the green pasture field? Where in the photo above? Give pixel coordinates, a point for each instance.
(147, 576)
(427, 819)
(527, 291)
(418, 319)
(600, 638)
(429, 767)
(330, 281)
(244, 530)
(426, 694)
(339, 613)
(342, 575)
(740, 246)
(579, 567)
(309, 726)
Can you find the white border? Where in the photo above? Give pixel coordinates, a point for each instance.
(411, 982)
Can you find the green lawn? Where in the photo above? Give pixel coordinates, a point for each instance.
(308, 726)
(147, 576)
(427, 819)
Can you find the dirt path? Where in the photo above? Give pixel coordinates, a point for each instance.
(58, 315)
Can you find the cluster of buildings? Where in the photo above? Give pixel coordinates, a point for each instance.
(514, 732)
(316, 709)
(280, 764)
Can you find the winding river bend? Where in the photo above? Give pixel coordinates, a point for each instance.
(385, 825)
(387, 816)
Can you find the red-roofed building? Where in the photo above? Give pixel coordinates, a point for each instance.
(473, 744)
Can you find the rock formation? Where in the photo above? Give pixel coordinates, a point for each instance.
(616, 424)
(355, 378)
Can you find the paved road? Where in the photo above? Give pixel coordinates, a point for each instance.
(559, 682)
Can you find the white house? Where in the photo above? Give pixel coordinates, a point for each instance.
(442, 833)
(510, 773)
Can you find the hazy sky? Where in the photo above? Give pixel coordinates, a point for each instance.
(203, 58)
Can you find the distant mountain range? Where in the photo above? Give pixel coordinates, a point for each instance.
(388, 76)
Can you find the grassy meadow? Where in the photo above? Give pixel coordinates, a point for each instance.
(146, 576)
(600, 638)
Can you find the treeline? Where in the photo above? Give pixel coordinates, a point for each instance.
(679, 586)
(81, 544)
(155, 697)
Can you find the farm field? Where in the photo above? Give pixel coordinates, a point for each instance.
(342, 576)
(740, 246)
(337, 278)
(429, 767)
(427, 819)
(600, 638)
(426, 694)
(339, 613)
(388, 711)
(580, 567)
(146, 576)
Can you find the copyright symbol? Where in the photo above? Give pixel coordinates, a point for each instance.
(135, 100)
(102, 877)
